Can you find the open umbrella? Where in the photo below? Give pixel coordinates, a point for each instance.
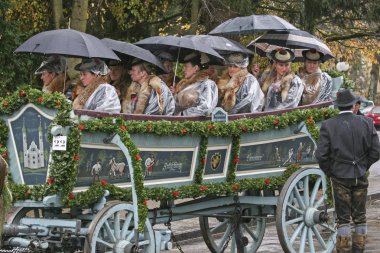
(295, 39)
(179, 46)
(252, 24)
(220, 44)
(67, 42)
(129, 49)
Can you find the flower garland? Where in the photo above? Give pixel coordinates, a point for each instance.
(63, 171)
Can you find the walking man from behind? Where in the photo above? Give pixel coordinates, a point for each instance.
(348, 145)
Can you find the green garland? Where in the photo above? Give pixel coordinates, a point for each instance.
(64, 170)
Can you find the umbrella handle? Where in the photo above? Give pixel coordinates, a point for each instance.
(175, 69)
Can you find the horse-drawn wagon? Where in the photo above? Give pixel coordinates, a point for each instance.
(71, 191)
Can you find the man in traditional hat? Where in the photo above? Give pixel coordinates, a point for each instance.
(238, 90)
(283, 89)
(196, 94)
(167, 59)
(98, 94)
(318, 84)
(147, 94)
(348, 145)
(53, 74)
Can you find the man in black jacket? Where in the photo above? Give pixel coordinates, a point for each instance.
(348, 145)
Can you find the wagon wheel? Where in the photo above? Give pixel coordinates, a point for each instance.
(215, 231)
(112, 230)
(22, 212)
(301, 220)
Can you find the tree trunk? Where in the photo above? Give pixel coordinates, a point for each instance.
(79, 15)
(57, 12)
(194, 16)
(375, 79)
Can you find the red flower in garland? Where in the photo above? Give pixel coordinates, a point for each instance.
(183, 131)
(210, 126)
(5, 103)
(50, 180)
(71, 195)
(236, 160)
(5, 155)
(59, 103)
(145, 203)
(175, 194)
(138, 157)
(22, 93)
(243, 129)
(123, 128)
(203, 188)
(204, 161)
(311, 120)
(104, 182)
(267, 181)
(235, 187)
(81, 127)
(276, 121)
(76, 158)
(40, 99)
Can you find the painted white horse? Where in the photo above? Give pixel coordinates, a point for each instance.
(116, 169)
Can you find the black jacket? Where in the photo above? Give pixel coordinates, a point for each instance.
(348, 145)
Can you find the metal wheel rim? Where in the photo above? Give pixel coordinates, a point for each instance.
(308, 236)
(215, 245)
(118, 229)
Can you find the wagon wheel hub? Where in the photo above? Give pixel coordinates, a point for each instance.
(124, 246)
(314, 216)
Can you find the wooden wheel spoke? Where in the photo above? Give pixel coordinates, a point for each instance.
(225, 237)
(299, 198)
(303, 240)
(296, 232)
(220, 225)
(250, 232)
(310, 240)
(319, 237)
(306, 192)
(109, 231)
(104, 243)
(295, 208)
(315, 190)
(127, 222)
(295, 220)
(116, 225)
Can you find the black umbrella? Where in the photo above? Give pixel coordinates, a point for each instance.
(67, 42)
(129, 49)
(252, 24)
(295, 39)
(220, 44)
(179, 46)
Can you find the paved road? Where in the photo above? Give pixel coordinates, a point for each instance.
(189, 229)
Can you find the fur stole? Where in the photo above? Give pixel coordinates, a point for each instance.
(169, 78)
(312, 85)
(199, 76)
(228, 86)
(284, 84)
(142, 92)
(121, 87)
(78, 89)
(83, 96)
(57, 84)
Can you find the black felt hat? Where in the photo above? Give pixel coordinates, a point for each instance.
(345, 98)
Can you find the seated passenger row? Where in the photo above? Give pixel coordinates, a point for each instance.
(103, 88)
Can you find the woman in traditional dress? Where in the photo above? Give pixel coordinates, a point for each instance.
(283, 89)
(147, 94)
(119, 77)
(196, 94)
(53, 75)
(97, 94)
(239, 91)
(318, 84)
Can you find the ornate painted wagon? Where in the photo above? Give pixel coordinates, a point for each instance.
(101, 182)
